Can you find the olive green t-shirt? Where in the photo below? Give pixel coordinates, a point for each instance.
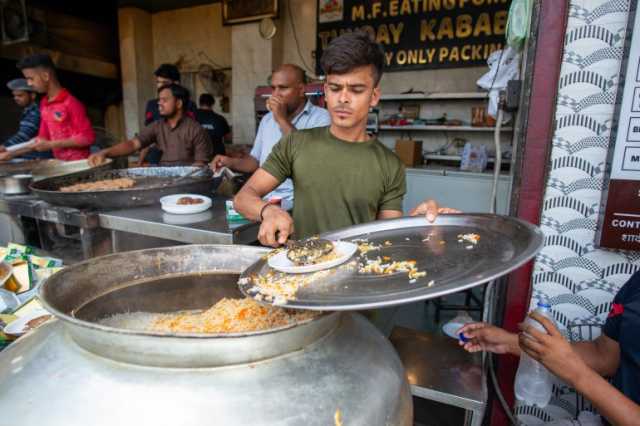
(336, 183)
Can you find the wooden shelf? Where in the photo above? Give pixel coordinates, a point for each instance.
(443, 128)
(434, 96)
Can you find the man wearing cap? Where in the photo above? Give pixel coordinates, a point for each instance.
(25, 98)
(65, 128)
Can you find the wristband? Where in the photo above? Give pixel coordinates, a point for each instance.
(263, 209)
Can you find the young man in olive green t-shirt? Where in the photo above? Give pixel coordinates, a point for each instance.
(341, 176)
(336, 183)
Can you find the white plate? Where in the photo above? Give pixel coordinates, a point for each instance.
(18, 327)
(169, 204)
(186, 219)
(344, 249)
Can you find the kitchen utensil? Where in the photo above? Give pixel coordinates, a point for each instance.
(444, 249)
(15, 184)
(152, 183)
(170, 204)
(282, 263)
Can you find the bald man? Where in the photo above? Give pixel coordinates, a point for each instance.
(290, 111)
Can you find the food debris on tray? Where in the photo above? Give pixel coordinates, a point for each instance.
(100, 185)
(278, 287)
(364, 246)
(379, 266)
(470, 238)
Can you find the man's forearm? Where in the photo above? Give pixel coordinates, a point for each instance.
(608, 400)
(249, 203)
(123, 148)
(246, 164)
(65, 143)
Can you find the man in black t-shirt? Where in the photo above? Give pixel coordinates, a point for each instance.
(215, 124)
(583, 365)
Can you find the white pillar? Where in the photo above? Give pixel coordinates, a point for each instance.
(136, 64)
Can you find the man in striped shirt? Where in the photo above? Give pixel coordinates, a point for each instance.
(25, 97)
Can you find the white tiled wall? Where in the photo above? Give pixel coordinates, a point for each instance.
(580, 279)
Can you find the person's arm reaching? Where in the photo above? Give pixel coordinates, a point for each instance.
(119, 150)
(481, 336)
(43, 134)
(277, 224)
(553, 351)
(246, 164)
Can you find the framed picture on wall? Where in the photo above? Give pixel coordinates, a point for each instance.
(241, 11)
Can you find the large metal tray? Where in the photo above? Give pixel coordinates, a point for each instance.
(152, 183)
(42, 169)
(505, 244)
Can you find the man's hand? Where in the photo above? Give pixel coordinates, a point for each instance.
(487, 337)
(42, 145)
(276, 226)
(220, 161)
(552, 350)
(6, 156)
(278, 108)
(431, 210)
(2, 148)
(97, 159)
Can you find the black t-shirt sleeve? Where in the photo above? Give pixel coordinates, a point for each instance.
(612, 326)
(225, 126)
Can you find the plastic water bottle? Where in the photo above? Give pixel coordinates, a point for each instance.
(533, 383)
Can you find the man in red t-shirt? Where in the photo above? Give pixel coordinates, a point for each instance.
(64, 126)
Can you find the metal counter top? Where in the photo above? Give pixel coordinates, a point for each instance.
(31, 206)
(208, 227)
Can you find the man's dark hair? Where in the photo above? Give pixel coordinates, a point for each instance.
(178, 92)
(353, 50)
(206, 99)
(169, 71)
(39, 60)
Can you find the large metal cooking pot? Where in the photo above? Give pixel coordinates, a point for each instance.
(75, 371)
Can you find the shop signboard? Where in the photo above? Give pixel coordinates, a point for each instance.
(419, 34)
(620, 221)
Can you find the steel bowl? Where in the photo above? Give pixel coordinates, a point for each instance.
(15, 184)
